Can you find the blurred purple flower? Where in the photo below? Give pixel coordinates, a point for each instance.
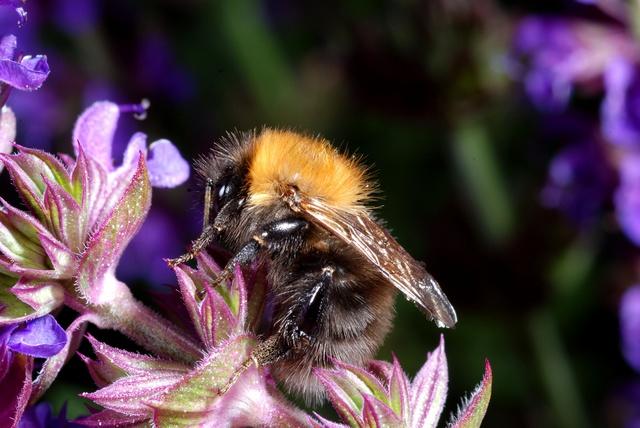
(76, 16)
(627, 197)
(41, 416)
(559, 53)
(158, 71)
(580, 181)
(621, 105)
(18, 5)
(24, 72)
(630, 326)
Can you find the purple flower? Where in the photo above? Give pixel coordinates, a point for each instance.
(19, 343)
(579, 182)
(84, 211)
(41, 337)
(158, 70)
(630, 326)
(558, 53)
(95, 129)
(25, 72)
(76, 16)
(621, 105)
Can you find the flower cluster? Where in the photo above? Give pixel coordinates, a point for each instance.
(83, 211)
(559, 56)
(136, 388)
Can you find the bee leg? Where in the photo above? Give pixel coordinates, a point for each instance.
(267, 352)
(275, 236)
(292, 335)
(299, 324)
(207, 236)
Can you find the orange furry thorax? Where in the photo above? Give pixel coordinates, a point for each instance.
(281, 159)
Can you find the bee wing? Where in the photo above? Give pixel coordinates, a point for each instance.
(376, 244)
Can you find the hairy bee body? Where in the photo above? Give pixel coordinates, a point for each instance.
(298, 205)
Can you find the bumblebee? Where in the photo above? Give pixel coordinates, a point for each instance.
(298, 204)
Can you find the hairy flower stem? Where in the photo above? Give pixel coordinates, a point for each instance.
(147, 328)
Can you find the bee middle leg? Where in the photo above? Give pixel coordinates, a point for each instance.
(297, 329)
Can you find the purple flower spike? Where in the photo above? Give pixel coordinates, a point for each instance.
(559, 53)
(42, 337)
(630, 326)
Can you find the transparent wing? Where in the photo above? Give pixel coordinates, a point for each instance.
(376, 244)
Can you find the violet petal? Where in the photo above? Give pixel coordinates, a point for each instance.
(167, 167)
(27, 75)
(41, 337)
(94, 131)
(8, 45)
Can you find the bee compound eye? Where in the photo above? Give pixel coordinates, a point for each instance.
(222, 191)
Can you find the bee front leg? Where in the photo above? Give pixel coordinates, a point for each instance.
(273, 237)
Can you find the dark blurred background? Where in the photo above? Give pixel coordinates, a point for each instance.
(422, 89)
